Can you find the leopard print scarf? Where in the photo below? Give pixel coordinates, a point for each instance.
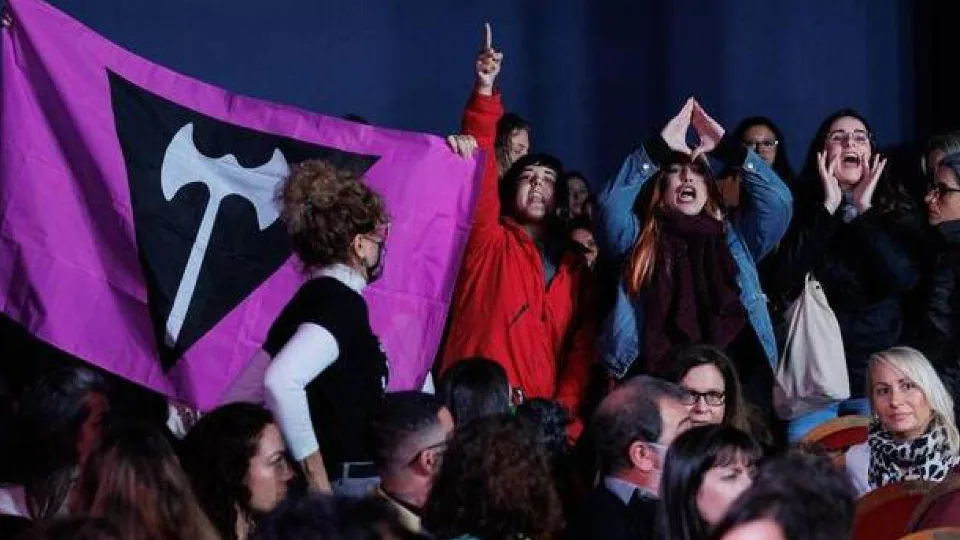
(925, 458)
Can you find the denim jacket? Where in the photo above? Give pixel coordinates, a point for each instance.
(750, 236)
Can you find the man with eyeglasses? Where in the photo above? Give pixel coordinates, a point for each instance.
(410, 436)
(632, 429)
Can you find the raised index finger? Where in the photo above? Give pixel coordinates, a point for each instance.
(488, 41)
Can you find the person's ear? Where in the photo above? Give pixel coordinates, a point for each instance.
(430, 460)
(641, 456)
(356, 247)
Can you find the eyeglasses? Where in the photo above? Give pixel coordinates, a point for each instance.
(842, 137)
(712, 398)
(760, 145)
(379, 234)
(941, 190)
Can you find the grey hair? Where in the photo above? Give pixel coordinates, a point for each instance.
(948, 143)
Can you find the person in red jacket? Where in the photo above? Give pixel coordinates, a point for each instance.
(522, 298)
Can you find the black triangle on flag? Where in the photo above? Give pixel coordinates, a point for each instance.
(203, 194)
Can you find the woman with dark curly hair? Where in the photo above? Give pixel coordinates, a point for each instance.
(495, 484)
(329, 371)
(237, 464)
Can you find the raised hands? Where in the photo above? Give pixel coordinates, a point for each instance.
(828, 177)
(709, 131)
(488, 63)
(464, 145)
(863, 192)
(675, 132)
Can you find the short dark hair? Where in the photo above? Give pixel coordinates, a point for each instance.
(402, 420)
(315, 515)
(508, 185)
(216, 456)
(474, 387)
(48, 421)
(630, 413)
(549, 420)
(689, 458)
(804, 493)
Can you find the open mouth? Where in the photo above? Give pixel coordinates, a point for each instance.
(850, 159)
(687, 194)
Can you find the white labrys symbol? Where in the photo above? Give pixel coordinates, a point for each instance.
(183, 164)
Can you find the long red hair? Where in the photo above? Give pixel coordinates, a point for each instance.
(641, 264)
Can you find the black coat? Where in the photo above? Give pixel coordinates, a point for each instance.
(938, 332)
(603, 515)
(865, 267)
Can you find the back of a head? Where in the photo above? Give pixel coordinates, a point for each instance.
(473, 388)
(48, 425)
(630, 413)
(318, 516)
(805, 494)
(549, 420)
(52, 410)
(77, 528)
(402, 425)
(135, 478)
(216, 456)
(495, 482)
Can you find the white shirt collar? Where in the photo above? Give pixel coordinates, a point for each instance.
(344, 274)
(624, 489)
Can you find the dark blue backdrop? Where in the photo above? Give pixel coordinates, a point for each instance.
(595, 78)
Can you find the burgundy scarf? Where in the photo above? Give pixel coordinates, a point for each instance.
(693, 295)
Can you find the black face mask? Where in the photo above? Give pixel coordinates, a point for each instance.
(374, 272)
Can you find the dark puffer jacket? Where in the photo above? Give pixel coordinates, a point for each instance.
(865, 266)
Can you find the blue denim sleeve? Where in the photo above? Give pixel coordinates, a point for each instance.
(617, 226)
(766, 215)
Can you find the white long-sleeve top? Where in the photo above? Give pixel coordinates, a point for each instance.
(310, 351)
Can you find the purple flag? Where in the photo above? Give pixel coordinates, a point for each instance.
(140, 230)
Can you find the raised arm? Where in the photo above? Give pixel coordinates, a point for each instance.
(480, 130)
(767, 211)
(617, 225)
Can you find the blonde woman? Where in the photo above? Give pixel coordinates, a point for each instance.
(914, 434)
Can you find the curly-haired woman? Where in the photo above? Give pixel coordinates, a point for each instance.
(328, 371)
(237, 464)
(495, 484)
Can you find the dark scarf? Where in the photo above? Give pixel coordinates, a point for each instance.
(693, 296)
(927, 457)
